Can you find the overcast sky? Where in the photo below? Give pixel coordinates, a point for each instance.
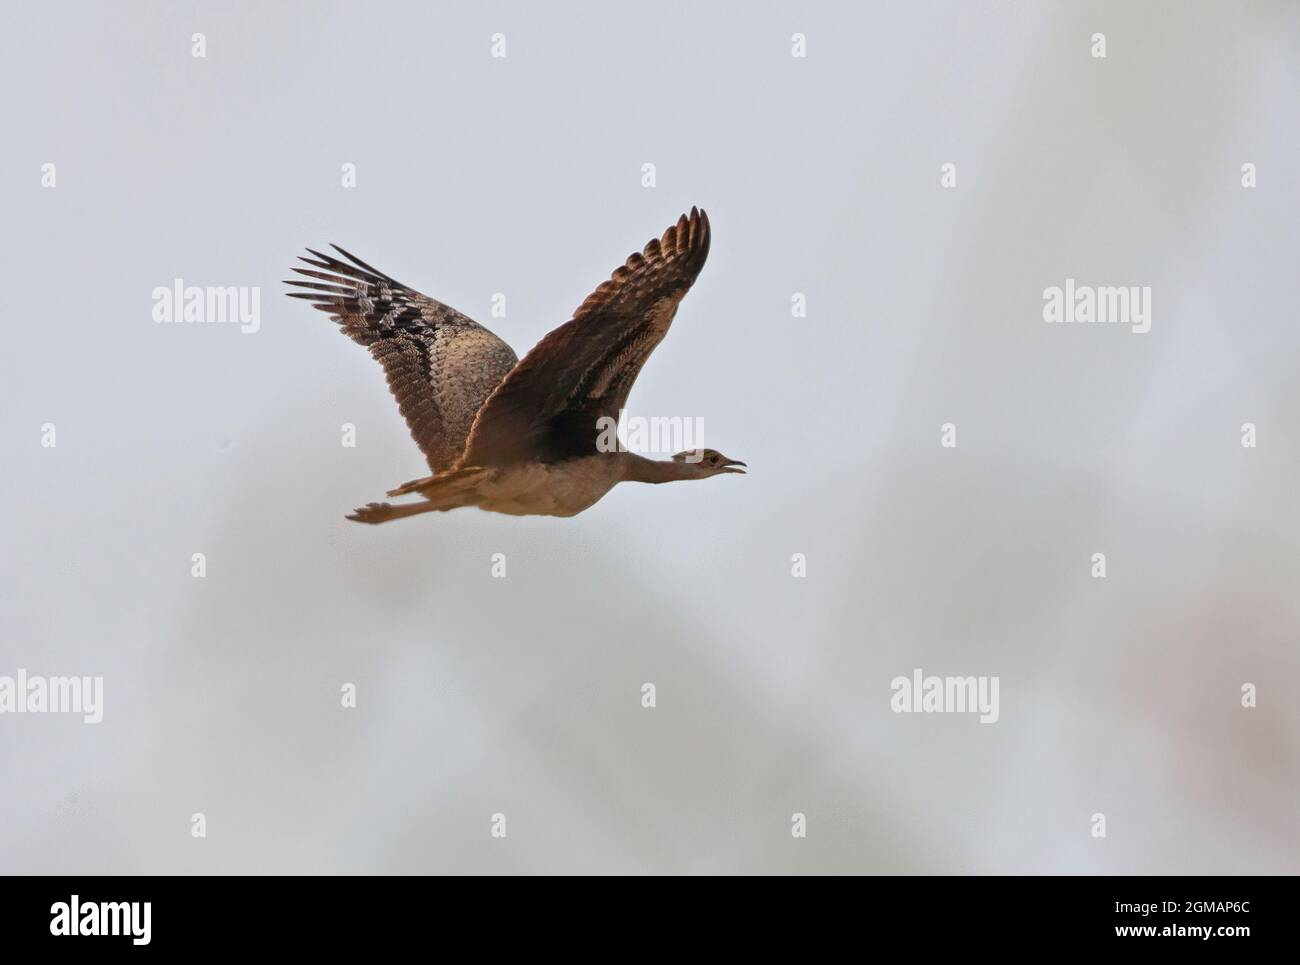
(522, 696)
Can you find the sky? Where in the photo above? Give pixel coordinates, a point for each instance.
(934, 469)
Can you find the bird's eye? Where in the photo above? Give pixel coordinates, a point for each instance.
(714, 459)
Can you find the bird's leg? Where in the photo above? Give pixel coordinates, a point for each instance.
(449, 490)
(383, 512)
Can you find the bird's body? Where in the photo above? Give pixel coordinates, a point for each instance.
(510, 436)
(563, 488)
(541, 489)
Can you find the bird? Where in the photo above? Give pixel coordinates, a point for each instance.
(517, 436)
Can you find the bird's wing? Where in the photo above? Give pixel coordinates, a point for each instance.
(547, 407)
(441, 365)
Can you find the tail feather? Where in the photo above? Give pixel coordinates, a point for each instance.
(446, 491)
(412, 486)
(443, 482)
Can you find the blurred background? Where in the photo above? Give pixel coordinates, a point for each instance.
(522, 696)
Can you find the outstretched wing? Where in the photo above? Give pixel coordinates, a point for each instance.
(441, 365)
(548, 406)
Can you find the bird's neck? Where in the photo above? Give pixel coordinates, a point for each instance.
(640, 469)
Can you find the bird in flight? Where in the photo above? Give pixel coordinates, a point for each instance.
(512, 436)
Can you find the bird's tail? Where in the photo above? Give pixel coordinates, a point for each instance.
(448, 482)
(449, 490)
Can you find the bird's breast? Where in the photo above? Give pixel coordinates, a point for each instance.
(556, 489)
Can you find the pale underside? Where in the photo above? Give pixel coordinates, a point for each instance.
(558, 489)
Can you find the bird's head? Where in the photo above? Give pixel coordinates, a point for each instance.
(708, 462)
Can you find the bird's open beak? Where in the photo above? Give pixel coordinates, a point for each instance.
(731, 466)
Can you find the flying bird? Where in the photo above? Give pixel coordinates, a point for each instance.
(509, 435)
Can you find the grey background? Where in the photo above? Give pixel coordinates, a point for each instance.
(521, 695)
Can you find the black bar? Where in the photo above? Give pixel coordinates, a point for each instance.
(336, 914)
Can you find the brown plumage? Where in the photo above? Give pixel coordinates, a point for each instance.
(441, 365)
(519, 437)
(548, 405)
